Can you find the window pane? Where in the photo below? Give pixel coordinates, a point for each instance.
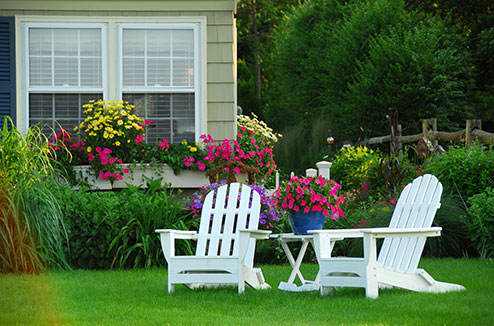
(58, 109)
(183, 106)
(158, 57)
(66, 72)
(133, 42)
(65, 57)
(184, 129)
(158, 43)
(91, 72)
(158, 72)
(65, 42)
(40, 106)
(183, 72)
(133, 72)
(40, 41)
(90, 42)
(40, 72)
(173, 114)
(183, 43)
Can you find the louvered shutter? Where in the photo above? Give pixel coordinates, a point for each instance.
(7, 69)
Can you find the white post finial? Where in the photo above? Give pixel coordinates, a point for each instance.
(324, 168)
(311, 173)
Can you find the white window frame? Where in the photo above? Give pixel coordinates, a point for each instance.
(62, 89)
(111, 83)
(195, 27)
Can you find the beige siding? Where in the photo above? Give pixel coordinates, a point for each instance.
(220, 34)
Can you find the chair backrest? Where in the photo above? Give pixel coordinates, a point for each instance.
(224, 212)
(415, 208)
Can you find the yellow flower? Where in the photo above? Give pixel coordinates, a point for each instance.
(117, 143)
(105, 134)
(184, 142)
(75, 128)
(120, 122)
(89, 149)
(193, 149)
(198, 144)
(372, 210)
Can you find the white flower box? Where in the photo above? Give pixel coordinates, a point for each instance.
(186, 178)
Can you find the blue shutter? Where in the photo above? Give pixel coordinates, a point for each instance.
(7, 68)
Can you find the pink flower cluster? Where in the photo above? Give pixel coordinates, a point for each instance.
(310, 194)
(164, 144)
(109, 162)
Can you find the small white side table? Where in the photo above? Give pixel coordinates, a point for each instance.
(290, 286)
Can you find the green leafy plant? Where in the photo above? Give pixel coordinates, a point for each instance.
(356, 168)
(466, 171)
(480, 222)
(31, 227)
(136, 244)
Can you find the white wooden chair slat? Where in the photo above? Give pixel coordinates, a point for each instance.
(400, 245)
(242, 215)
(218, 218)
(224, 213)
(204, 225)
(228, 228)
(400, 253)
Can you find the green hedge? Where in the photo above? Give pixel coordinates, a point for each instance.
(116, 229)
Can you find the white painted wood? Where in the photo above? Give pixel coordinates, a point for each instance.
(225, 242)
(324, 168)
(400, 253)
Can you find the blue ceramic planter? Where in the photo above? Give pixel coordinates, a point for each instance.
(302, 222)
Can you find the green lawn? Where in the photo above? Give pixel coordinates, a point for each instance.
(139, 297)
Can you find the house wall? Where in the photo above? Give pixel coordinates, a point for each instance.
(221, 75)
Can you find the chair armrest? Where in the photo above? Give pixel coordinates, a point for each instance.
(338, 233)
(178, 234)
(407, 232)
(168, 236)
(256, 234)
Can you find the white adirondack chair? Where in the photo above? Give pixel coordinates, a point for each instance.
(225, 242)
(401, 250)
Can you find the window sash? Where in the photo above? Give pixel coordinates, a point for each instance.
(194, 87)
(27, 27)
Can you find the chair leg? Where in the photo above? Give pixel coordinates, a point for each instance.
(171, 287)
(325, 290)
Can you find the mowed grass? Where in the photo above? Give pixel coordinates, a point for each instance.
(139, 297)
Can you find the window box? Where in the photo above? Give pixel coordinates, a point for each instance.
(186, 179)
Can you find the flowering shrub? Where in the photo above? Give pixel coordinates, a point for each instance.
(268, 209)
(310, 194)
(356, 167)
(258, 127)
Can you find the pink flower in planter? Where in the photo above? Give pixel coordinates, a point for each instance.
(120, 161)
(201, 166)
(125, 170)
(98, 149)
(139, 139)
(306, 209)
(392, 201)
(107, 151)
(90, 157)
(112, 160)
(103, 175)
(104, 162)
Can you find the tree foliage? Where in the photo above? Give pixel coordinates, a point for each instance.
(351, 62)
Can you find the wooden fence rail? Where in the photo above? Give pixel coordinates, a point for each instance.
(473, 131)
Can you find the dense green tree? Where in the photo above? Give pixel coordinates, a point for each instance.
(351, 62)
(255, 21)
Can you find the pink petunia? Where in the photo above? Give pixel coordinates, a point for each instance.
(306, 209)
(392, 201)
(98, 149)
(125, 170)
(107, 151)
(103, 175)
(112, 160)
(139, 139)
